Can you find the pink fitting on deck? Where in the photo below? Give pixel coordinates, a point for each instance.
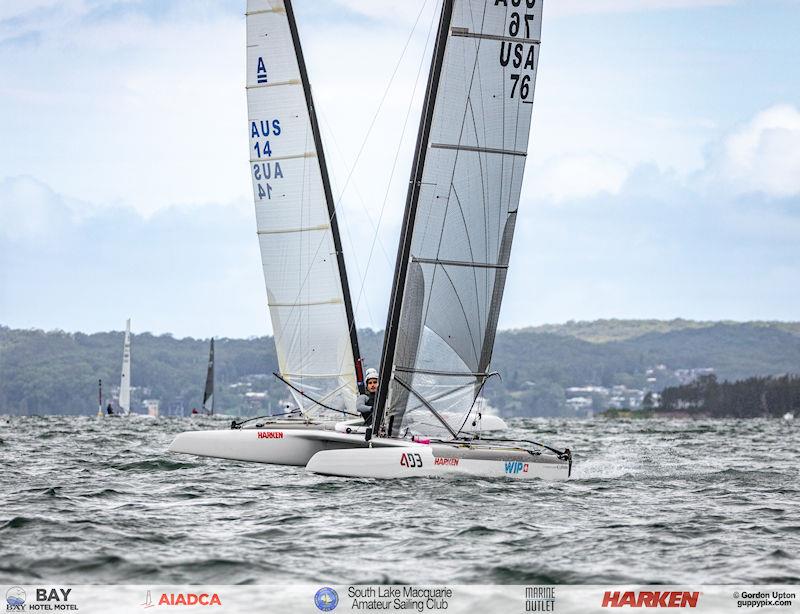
(419, 439)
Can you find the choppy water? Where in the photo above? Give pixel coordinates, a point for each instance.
(92, 501)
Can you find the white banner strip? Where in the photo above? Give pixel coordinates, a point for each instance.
(401, 599)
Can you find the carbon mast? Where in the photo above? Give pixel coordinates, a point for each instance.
(404, 249)
(337, 241)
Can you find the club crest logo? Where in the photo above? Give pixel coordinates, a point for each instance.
(326, 599)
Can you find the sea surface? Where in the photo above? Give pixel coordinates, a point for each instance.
(651, 501)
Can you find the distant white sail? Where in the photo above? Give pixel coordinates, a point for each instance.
(125, 380)
(306, 282)
(460, 214)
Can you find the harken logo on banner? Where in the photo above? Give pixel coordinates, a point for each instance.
(650, 599)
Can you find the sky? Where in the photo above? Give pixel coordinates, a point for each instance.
(662, 181)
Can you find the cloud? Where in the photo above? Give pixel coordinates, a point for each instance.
(582, 7)
(30, 210)
(76, 266)
(576, 176)
(762, 155)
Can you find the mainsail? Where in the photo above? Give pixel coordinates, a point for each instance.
(301, 252)
(460, 214)
(125, 379)
(208, 393)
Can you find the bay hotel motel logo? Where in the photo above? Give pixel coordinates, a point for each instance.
(47, 600)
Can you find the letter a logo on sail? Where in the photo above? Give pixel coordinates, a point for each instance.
(261, 71)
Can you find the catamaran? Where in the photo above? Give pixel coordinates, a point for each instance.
(124, 383)
(208, 389)
(451, 266)
(125, 377)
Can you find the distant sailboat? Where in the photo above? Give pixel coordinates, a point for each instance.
(125, 378)
(208, 393)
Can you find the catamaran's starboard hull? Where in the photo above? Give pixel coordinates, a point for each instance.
(417, 460)
(294, 445)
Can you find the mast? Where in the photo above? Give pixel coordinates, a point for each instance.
(337, 241)
(404, 249)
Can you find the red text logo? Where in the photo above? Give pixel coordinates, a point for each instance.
(189, 599)
(270, 434)
(439, 460)
(650, 599)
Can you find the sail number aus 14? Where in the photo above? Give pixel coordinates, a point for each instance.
(411, 459)
(263, 171)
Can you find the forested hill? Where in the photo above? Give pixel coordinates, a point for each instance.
(57, 372)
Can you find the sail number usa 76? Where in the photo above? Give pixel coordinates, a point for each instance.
(520, 55)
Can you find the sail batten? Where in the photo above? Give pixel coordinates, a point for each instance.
(460, 213)
(301, 253)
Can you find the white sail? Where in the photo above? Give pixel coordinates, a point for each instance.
(461, 211)
(304, 272)
(125, 379)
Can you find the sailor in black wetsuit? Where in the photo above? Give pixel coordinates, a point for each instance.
(109, 409)
(364, 402)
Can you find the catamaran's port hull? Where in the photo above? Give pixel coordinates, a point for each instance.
(290, 445)
(417, 460)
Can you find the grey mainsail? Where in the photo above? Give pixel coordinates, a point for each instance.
(460, 214)
(208, 393)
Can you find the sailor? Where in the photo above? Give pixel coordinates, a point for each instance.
(109, 409)
(364, 402)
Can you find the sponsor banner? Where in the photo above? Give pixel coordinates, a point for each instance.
(401, 599)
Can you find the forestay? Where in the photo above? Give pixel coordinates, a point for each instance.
(461, 211)
(301, 253)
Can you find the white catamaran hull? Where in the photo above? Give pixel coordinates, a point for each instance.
(419, 460)
(294, 445)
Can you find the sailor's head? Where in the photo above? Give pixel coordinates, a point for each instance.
(371, 380)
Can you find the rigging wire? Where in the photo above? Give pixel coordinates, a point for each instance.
(397, 154)
(355, 163)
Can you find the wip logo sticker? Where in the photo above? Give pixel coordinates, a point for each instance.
(270, 434)
(412, 459)
(514, 467)
(650, 599)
